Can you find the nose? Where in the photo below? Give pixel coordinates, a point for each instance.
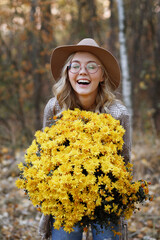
(83, 70)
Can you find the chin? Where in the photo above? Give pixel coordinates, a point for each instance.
(83, 94)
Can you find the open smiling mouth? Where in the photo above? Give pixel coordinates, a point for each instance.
(83, 82)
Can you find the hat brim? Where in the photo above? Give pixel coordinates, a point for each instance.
(61, 54)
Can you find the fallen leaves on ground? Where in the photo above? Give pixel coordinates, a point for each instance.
(145, 224)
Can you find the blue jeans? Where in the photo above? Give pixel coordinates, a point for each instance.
(105, 234)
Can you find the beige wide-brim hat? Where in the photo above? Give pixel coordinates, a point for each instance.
(61, 54)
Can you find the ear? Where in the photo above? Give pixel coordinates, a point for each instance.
(102, 78)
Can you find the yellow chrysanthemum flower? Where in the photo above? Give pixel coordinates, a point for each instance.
(74, 169)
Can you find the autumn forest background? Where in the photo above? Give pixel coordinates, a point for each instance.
(29, 31)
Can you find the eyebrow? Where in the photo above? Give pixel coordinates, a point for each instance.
(86, 62)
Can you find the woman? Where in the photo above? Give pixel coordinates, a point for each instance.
(86, 77)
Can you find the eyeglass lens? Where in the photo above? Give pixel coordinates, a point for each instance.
(91, 67)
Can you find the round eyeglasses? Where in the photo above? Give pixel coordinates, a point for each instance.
(91, 67)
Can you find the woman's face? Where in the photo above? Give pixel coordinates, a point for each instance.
(84, 82)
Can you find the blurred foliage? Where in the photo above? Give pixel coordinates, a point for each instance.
(29, 30)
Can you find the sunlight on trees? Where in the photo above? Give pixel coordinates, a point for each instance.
(29, 30)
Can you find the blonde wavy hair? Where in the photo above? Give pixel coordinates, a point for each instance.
(67, 99)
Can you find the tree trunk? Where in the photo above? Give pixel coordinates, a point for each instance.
(93, 24)
(46, 43)
(156, 86)
(88, 26)
(34, 57)
(113, 29)
(126, 83)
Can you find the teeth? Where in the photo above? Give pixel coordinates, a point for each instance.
(83, 82)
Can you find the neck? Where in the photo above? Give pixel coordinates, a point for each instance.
(87, 102)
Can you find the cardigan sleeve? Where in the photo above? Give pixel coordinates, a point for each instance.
(44, 229)
(126, 152)
(120, 112)
(48, 112)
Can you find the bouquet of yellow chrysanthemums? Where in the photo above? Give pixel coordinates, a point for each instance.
(74, 171)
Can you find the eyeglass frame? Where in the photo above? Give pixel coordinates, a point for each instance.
(98, 65)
